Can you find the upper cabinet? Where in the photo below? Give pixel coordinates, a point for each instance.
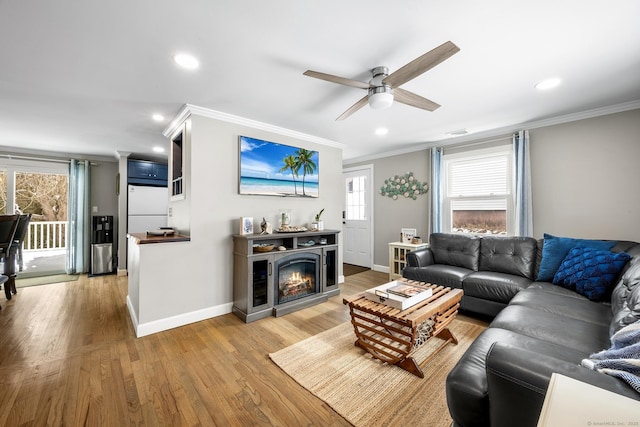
(140, 172)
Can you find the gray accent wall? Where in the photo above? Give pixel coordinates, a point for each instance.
(586, 178)
(585, 181)
(392, 215)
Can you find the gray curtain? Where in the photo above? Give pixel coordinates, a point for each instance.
(523, 205)
(436, 190)
(78, 218)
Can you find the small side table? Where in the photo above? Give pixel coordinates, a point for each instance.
(398, 257)
(594, 406)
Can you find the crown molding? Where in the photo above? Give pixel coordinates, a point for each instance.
(27, 153)
(498, 132)
(189, 109)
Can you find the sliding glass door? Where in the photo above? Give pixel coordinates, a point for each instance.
(38, 188)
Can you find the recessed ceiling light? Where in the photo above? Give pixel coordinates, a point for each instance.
(186, 61)
(382, 131)
(157, 117)
(458, 132)
(158, 149)
(548, 84)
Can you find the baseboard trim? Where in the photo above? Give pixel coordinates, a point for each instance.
(381, 268)
(148, 328)
(132, 314)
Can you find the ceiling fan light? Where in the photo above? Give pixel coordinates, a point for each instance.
(380, 100)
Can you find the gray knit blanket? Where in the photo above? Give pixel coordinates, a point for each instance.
(622, 359)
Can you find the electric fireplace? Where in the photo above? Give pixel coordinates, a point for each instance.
(296, 276)
(295, 271)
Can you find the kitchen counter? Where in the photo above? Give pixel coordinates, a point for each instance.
(143, 238)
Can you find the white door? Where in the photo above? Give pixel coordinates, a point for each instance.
(358, 216)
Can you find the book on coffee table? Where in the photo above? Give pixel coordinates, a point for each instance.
(398, 294)
(405, 290)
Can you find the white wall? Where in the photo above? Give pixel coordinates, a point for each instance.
(586, 177)
(212, 206)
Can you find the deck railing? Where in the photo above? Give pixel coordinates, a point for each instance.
(44, 235)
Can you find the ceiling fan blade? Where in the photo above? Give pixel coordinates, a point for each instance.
(335, 79)
(410, 98)
(355, 107)
(421, 64)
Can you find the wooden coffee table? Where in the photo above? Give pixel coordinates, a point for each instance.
(392, 335)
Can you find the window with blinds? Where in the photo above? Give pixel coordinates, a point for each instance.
(478, 191)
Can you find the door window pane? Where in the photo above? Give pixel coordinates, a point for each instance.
(355, 191)
(44, 195)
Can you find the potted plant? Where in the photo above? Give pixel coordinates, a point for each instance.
(318, 224)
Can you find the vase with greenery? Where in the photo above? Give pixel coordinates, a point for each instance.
(318, 224)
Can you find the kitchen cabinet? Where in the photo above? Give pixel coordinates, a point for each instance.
(142, 172)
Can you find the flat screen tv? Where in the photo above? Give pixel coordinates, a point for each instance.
(272, 169)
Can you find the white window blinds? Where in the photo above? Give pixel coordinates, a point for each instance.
(482, 176)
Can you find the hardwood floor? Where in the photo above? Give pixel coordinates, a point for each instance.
(70, 357)
(350, 269)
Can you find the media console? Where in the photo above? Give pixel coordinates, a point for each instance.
(272, 282)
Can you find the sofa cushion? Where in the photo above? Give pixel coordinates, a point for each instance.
(625, 298)
(493, 286)
(437, 274)
(590, 272)
(467, 390)
(455, 249)
(547, 326)
(574, 306)
(511, 255)
(555, 249)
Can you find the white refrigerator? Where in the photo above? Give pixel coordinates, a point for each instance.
(147, 208)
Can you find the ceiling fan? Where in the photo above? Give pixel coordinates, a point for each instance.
(383, 88)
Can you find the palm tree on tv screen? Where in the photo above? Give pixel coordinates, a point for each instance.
(304, 161)
(291, 164)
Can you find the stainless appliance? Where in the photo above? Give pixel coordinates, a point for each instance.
(102, 245)
(101, 258)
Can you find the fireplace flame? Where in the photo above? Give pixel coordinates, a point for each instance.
(296, 283)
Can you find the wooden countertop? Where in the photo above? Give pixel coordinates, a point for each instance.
(143, 238)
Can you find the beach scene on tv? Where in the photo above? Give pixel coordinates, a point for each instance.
(272, 169)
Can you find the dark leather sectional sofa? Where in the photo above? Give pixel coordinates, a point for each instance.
(539, 328)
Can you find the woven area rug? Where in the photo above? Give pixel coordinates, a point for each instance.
(46, 280)
(367, 392)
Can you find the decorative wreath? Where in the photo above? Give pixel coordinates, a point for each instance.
(403, 185)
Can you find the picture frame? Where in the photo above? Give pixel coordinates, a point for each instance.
(246, 225)
(271, 169)
(407, 234)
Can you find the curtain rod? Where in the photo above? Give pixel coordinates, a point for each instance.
(471, 144)
(39, 159)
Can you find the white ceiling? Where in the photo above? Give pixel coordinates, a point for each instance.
(85, 76)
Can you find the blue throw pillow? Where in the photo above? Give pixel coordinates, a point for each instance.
(590, 272)
(555, 249)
